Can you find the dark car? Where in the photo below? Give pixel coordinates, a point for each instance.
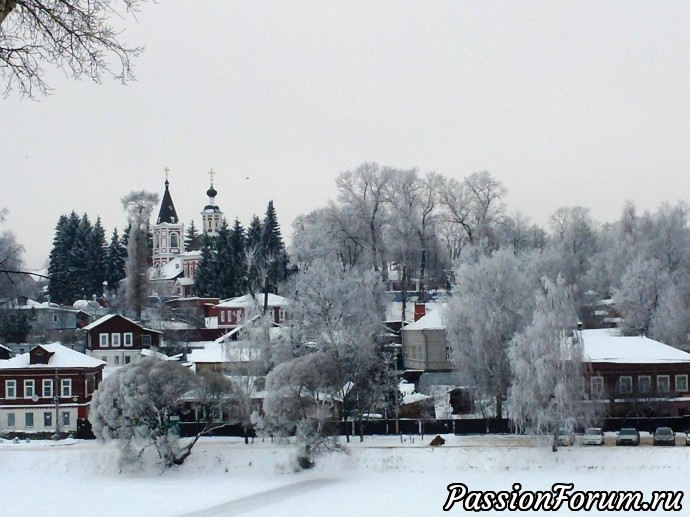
(628, 436)
(664, 436)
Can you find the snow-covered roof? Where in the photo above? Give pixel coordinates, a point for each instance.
(62, 357)
(213, 352)
(107, 317)
(168, 271)
(608, 346)
(86, 304)
(432, 320)
(241, 302)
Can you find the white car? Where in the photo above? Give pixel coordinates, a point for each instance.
(593, 436)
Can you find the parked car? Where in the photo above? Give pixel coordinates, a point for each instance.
(628, 436)
(593, 436)
(664, 436)
(565, 436)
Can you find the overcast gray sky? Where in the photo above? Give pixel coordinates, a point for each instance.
(567, 103)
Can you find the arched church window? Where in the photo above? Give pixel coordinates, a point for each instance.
(173, 240)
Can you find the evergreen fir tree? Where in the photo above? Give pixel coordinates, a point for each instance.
(63, 286)
(204, 281)
(96, 260)
(254, 256)
(192, 241)
(116, 256)
(239, 258)
(275, 259)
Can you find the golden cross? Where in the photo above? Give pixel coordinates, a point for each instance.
(166, 170)
(211, 174)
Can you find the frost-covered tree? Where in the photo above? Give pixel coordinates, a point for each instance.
(339, 311)
(139, 206)
(491, 303)
(547, 389)
(11, 253)
(76, 36)
(362, 194)
(639, 295)
(137, 403)
(301, 398)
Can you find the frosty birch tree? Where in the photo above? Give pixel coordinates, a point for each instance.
(75, 36)
(362, 193)
(490, 305)
(547, 389)
(136, 403)
(339, 311)
(139, 206)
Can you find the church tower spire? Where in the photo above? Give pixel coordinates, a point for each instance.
(168, 232)
(211, 216)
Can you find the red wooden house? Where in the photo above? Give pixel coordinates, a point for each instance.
(47, 389)
(117, 340)
(635, 375)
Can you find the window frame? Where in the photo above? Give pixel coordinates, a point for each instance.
(128, 339)
(640, 383)
(596, 380)
(29, 419)
(103, 342)
(115, 339)
(11, 385)
(628, 378)
(29, 387)
(47, 419)
(47, 388)
(146, 339)
(11, 419)
(659, 383)
(681, 376)
(65, 388)
(65, 418)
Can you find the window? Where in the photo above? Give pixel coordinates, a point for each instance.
(663, 383)
(222, 316)
(47, 419)
(145, 340)
(55, 318)
(29, 388)
(173, 240)
(449, 352)
(11, 421)
(47, 388)
(597, 385)
(103, 339)
(28, 419)
(127, 359)
(644, 383)
(625, 384)
(66, 387)
(682, 383)
(129, 339)
(117, 360)
(65, 418)
(115, 339)
(11, 389)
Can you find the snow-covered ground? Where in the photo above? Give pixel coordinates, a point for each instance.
(381, 476)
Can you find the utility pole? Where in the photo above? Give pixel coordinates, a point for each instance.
(56, 400)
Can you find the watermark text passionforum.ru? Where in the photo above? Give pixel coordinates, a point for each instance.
(561, 495)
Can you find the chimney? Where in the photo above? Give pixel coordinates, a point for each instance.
(419, 310)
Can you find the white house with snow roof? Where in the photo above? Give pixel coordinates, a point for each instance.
(425, 346)
(637, 375)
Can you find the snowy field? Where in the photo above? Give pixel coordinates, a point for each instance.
(379, 477)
